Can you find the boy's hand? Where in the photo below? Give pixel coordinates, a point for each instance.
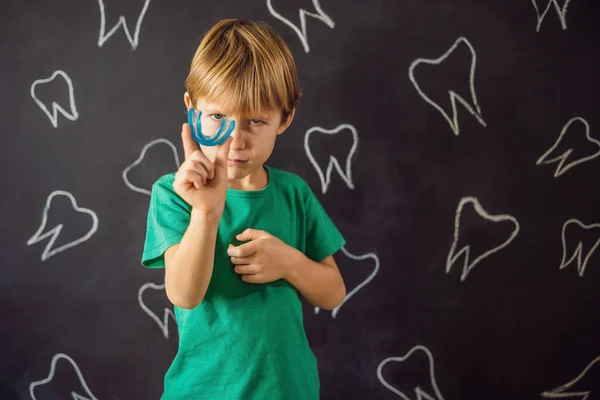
(264, 258)
(200, 182)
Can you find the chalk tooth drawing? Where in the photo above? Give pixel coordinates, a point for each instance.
(346, 173)
(563, 166)
(420, 393)
(301, 32)
(465, 251)
(74, 395)
(474, 109)
(55, 232)
(567, 391)
(561, 11)
(141, 157)
(72, 114)
(133, 40)
(369, 278)
(167, 313)
(578, 253)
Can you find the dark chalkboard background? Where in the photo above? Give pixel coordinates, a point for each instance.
(518, 325)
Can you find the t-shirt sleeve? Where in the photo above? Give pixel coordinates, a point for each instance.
(168, 219)
(323, 238)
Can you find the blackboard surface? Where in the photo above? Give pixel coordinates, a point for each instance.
(456, 144)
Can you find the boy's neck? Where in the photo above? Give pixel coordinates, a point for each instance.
(255, 180)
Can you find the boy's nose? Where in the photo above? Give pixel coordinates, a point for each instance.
(238, 142)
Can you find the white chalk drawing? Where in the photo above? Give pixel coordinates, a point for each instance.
(578, 253)
(133, 40)
(369, 278)
(562, 158)
(167, 313)
(566, 391)
(139, 160)
(465, 251)
(561, 11)
(75, 396)
(72, 114)
(474, 109)
(420, 393)
(301, 32)
(345, 174)
(55, 232)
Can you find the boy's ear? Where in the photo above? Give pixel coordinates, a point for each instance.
(286, 123)
(187, 100)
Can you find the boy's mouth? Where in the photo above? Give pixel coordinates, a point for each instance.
(235, 161)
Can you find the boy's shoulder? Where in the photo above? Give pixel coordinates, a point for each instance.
(166, 180)
(163, 186)
(288, 180)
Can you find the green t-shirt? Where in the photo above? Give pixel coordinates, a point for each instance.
(244, 341)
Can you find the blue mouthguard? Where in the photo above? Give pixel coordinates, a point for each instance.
(196, 127)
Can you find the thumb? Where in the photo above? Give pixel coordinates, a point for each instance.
(244, 236)
(220, 163)
(250, 234)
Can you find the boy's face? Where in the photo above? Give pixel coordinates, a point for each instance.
(253, 137)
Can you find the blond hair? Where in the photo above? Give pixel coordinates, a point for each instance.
(246, 66)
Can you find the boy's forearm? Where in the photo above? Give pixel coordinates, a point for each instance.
(189, 271)
(319, 283)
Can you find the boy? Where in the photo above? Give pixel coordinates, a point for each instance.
(241, 241)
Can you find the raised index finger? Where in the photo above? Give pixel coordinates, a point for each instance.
(189, 144)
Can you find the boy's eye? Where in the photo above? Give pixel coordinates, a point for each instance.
(217, 117)
(255, 122)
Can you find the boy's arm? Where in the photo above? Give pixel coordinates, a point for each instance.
(320, 283)
(202, 184)
(189, 264)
